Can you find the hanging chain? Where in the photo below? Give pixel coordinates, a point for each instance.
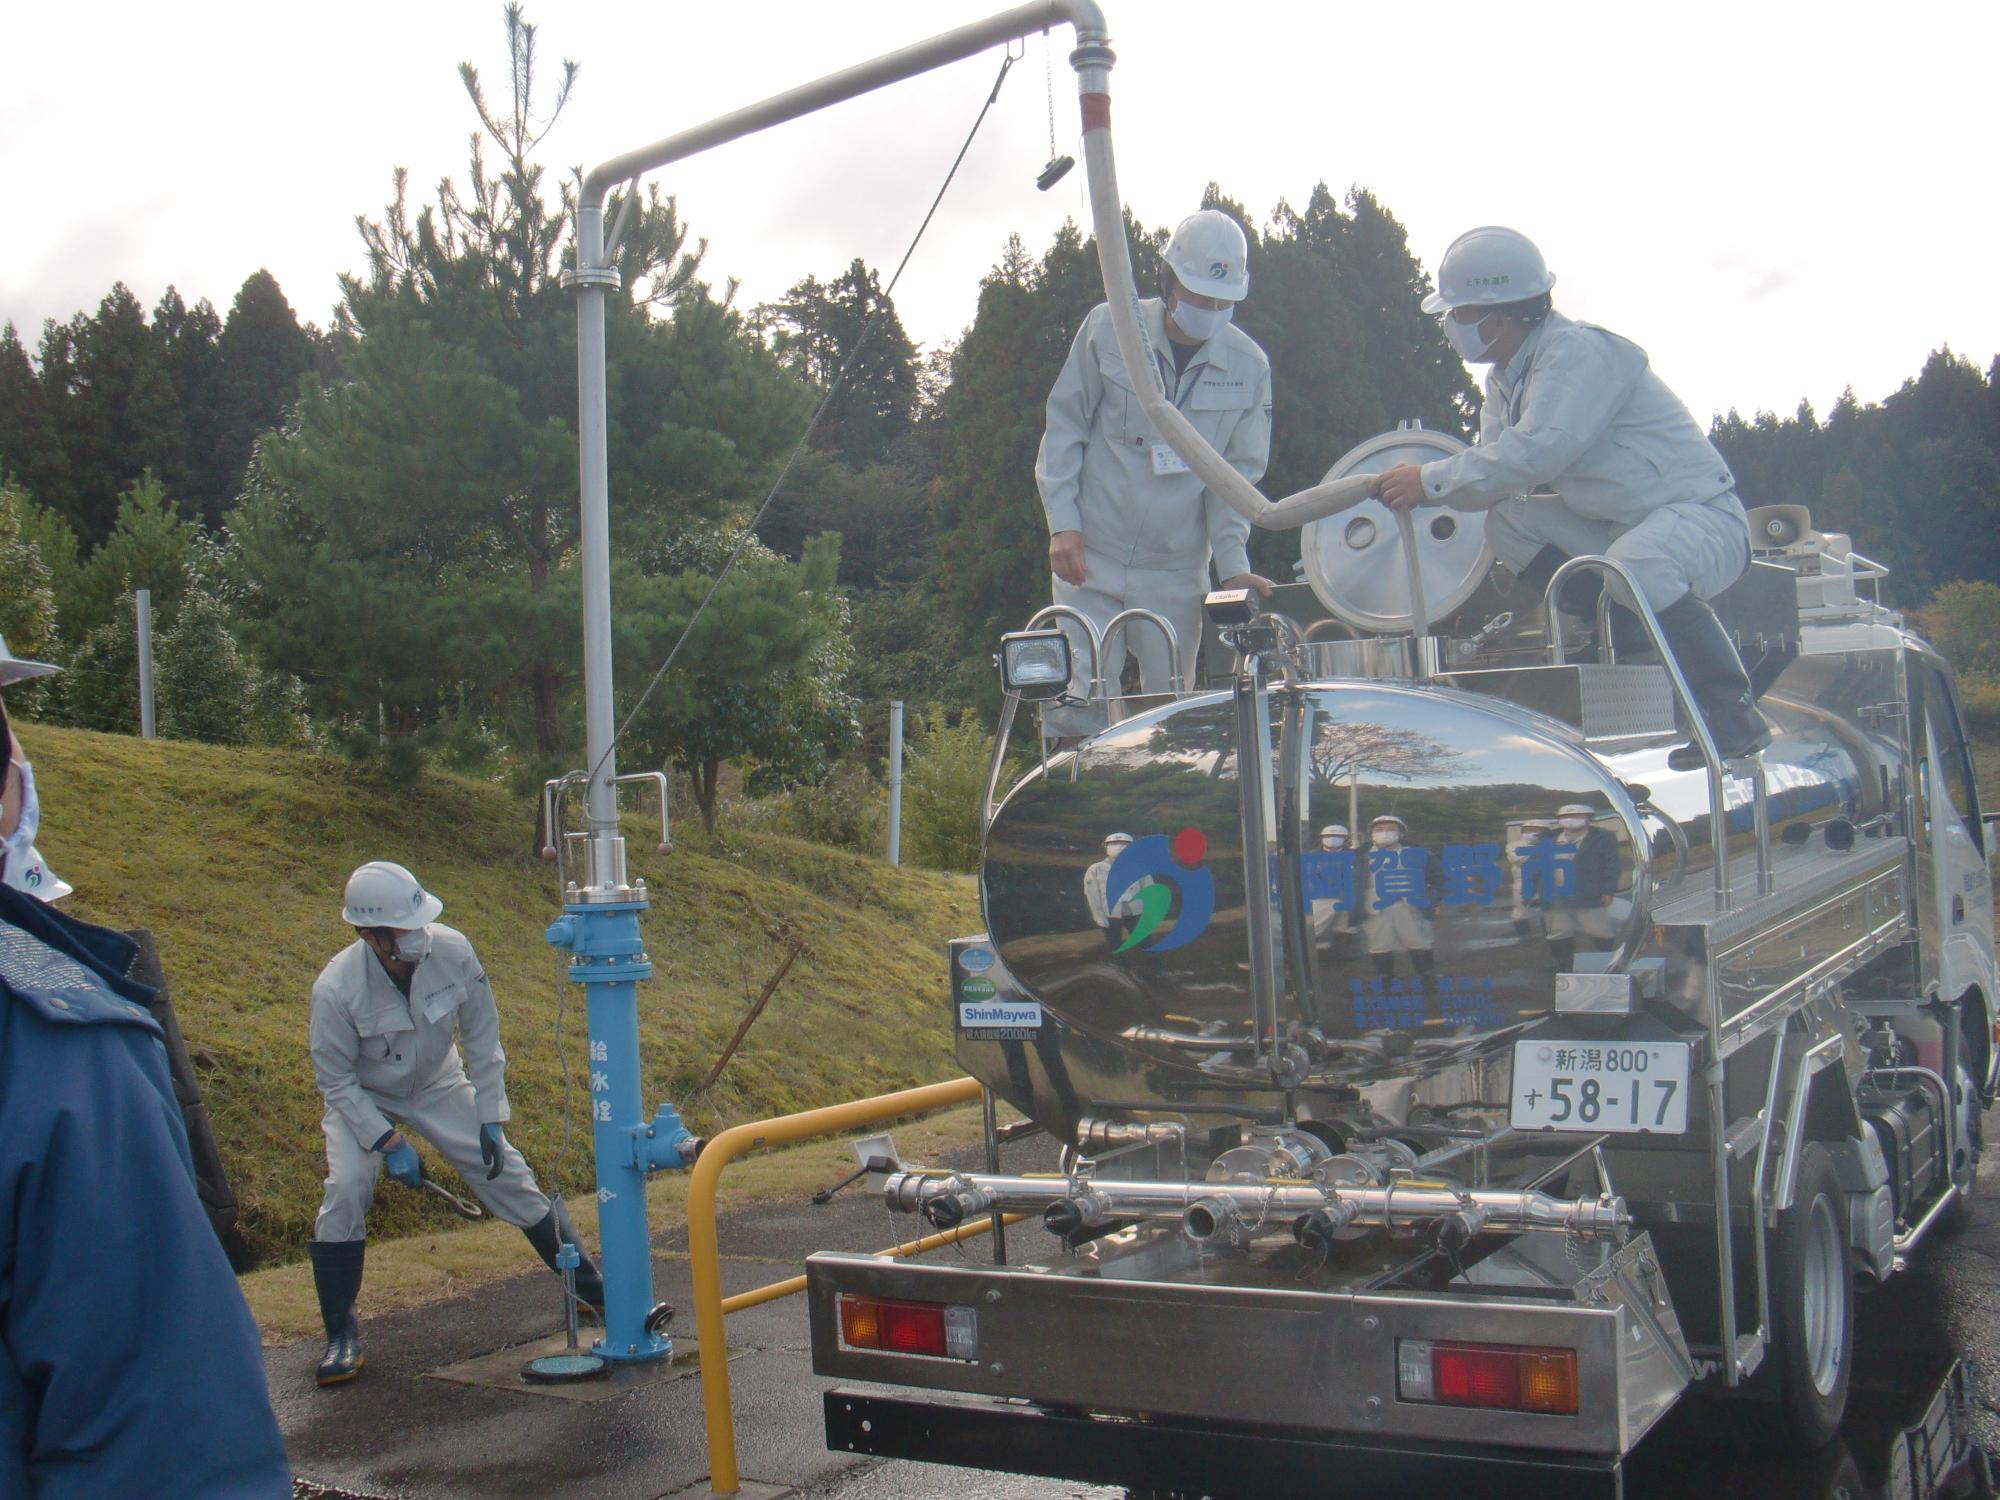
(1049, 85)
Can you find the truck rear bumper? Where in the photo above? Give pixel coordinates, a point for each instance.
(1226, 1460)
(1272, 1357)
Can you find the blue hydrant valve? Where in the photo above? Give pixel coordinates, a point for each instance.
(666, 1142)
(562, 933)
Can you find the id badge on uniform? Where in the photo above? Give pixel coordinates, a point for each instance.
(1166, 461)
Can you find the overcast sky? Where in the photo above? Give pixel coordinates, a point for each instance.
(1776, 200)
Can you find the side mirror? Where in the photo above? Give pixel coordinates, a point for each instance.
(1035, 664)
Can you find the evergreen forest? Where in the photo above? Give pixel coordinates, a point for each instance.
(360, 535)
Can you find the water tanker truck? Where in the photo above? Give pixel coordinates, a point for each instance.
(1444, 1164)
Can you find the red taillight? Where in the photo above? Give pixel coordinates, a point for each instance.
(913, 1328)
(938, 1329)
(1505, 1377)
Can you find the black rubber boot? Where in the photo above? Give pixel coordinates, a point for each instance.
(547, 1237)
(337, 1277)
(1716, 678)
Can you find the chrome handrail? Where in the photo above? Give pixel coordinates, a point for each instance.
(1718, 812)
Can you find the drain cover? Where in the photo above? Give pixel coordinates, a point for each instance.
(553, 1368)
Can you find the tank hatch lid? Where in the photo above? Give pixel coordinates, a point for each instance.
(1354, 560)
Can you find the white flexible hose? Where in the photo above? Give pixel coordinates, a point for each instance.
(1419, 615)
(1115, 263)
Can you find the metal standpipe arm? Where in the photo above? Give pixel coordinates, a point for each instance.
(600, 924)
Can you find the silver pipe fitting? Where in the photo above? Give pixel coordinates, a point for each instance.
(1212, 1218)
(1399, 1205)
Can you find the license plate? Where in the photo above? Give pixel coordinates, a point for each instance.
(1601, 1087)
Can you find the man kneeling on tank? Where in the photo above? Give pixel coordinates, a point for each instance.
(1573, 408)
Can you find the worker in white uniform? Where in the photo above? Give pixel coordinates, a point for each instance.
(384, 1014)
(1129, 524)
(21, 863)
(1576, 409)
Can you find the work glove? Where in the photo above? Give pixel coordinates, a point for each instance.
(490, 1143)
(401, 1160)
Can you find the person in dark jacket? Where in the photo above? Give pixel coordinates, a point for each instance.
(129, 1364)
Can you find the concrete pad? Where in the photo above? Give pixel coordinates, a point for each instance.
(501, 1371)
(747, 1489)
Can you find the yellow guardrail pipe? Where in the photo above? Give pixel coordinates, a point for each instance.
(705, 1255)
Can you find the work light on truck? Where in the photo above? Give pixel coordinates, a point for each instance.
(936, 1329)
(1035, 663)
(1505, 1377)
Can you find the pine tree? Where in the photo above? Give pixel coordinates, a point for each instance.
(260, 354)
(118, 416)
(31, 451)
(411, 536)
(188, 337)
(822, 329)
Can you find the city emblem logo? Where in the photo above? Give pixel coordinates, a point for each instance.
(1159, 866)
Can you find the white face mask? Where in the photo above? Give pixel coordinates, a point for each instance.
(1202, 323)
(1333, 843)
(1386, 838)
(414, 946)
(1575, 823)
(1465, 338)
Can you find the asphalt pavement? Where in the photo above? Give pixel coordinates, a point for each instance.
(400, 1433)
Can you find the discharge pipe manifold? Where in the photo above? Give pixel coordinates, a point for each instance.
(1401, 1204)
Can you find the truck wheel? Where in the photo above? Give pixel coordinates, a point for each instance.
(1966, 1149)
(1812, 1304)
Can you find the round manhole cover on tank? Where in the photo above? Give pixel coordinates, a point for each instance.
(1354, 560)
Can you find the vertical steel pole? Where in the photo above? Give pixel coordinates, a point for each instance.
(600, 924)
(143, 601)
(896, 782)
(592, 281)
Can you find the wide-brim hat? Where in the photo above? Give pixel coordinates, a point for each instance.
(16, 669)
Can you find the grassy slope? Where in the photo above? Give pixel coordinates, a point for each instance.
(236, 860)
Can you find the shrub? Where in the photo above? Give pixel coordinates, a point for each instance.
(1979, 695)
(845, 810)
(943, 781)
(1963, 620)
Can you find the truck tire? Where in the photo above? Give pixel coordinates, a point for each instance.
(1966, 1149)
(1812, 1304)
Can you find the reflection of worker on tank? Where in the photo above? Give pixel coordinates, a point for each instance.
(1534, 833)
(1333, 928)
(1402, 895)
(1114, 919)
(1581, 906)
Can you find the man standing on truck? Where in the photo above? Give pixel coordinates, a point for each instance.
(1572, 408)
(384, 1013)
(1129, 524)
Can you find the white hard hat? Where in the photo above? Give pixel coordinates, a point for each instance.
(1389, 818)
(1545, 824)
(384, 894)
(1574, 810)
(1209, 255)
(16, 669)
(1116, 838)
(1487, 267)
(1339, 828)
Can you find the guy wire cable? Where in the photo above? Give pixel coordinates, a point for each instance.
(860, 343)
